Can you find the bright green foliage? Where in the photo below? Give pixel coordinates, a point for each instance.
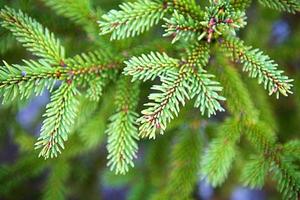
(171, 94)
(122, 131)
(181, 81)
(255, 172)
(133, 18)
(40, 41)
(292, 149)
(187, 8)
(79, 11)
(282, 170)
(93, 69)
(55, 188)
(259, 66)
(217, 161)
(148, 67)
(196, 69)
(282, 5)
(60, 116)
(183, 27)
(184, 167)
(214, 22)
(287, 177)
(238, 99)
(240, 4)
(202, 87)
(33, 77)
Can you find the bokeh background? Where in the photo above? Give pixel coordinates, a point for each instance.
(81, 172)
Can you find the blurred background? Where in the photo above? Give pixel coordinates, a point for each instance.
(81, 172)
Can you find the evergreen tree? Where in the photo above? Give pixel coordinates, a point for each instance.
(98, 89)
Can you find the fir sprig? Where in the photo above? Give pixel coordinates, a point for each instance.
(218, 159)
(60, 116)
(181, 81)
(258, 65)
(282, 5)
(37, 39)
(22, 81)
(122, 130)
(133, 18)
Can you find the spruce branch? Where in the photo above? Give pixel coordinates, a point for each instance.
(122, 131)
(148, 67)
(258, 65)
(133, 18)
(187, 8)
(173, 93)
(218, 18)
(291, 6)
(238, 101)
(93, 70)
(37, 39)
(55, 187)
(181, 80)
(179, 26)
(22, 81)
(255, 172)
(79, 11)
(202, 87)
(60, 116)
(288, 180)
(292, 149)
(218, 159)
(96, 86)
(185, 165)
(240, 4)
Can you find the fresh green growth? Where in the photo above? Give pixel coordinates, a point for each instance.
(193, 76)
(122, 131)
(33, 77)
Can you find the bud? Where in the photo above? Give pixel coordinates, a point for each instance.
(228, 21)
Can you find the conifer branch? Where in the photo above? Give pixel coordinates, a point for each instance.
(133, 18)
(55, 187)
(185, 164)
(96, 86)
(202, 87)
(148, 67)
(255, 172)
(164, 105)
(33, 77)
(60, 116)
(37, 39)
(238, 101)
(187, 8)
(292, 149)
(79, 11)
(122, 131)
(181, 80)
(179, 26)
(7, 41)
(92, 69)
(288, 180)
(218, 159)
(240, 4)
(258, 65)
(291, 6)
